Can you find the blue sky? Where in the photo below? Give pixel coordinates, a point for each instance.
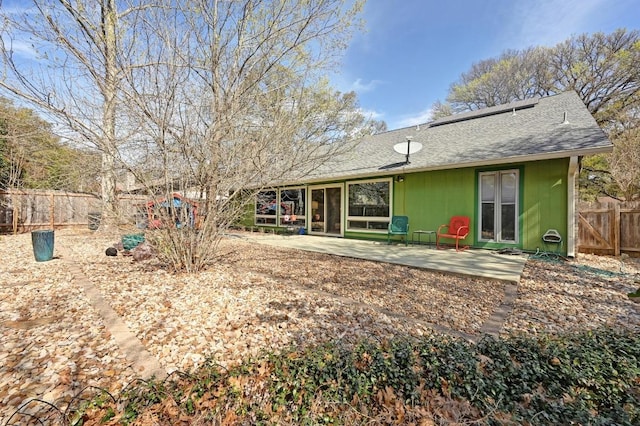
(413, 50)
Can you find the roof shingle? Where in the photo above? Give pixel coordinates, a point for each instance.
(521, 131)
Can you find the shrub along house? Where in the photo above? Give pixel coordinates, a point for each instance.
(512, 169)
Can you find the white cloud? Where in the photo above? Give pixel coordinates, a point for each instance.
(548, 22)
(414, 119)
(21, 48)
(359, 86)
(371, 114)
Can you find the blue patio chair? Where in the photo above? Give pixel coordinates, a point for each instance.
(399, 225)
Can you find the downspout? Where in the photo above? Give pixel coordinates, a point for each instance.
(571, 207)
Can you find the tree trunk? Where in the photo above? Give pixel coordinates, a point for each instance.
(109, 92)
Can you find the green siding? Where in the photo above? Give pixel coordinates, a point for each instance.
(248, 217)
(431, 198)
(544, 201)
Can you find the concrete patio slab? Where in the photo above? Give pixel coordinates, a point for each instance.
(477, 263)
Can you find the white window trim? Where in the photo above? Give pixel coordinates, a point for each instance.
(257, 216)
(306, 196)
(368, 218)
(343, 205)
(497, 203)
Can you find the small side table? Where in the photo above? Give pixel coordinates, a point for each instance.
(420, 232)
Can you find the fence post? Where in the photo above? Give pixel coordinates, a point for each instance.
(14, 217)
(616, 229)
(52, 201)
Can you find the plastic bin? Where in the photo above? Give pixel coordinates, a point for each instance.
(132, 240)
(42, 241)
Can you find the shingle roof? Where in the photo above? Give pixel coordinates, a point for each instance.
(551, 127)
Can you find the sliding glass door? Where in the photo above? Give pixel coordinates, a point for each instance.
(326, 210)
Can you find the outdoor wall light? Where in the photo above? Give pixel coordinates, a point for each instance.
(399, 178)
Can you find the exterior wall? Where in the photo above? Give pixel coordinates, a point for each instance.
(545, 201)
(429, 199)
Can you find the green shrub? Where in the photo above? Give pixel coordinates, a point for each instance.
(590, 377)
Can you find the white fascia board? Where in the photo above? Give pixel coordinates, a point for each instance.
(485, 163)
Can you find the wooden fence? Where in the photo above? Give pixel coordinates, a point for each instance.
(603, 228)
(22, 211)
(609, 228)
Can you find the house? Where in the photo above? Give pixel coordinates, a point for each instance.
(511, 168)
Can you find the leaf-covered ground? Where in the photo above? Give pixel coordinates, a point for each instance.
(55, 344)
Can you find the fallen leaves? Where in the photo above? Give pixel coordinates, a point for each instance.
(255, 299)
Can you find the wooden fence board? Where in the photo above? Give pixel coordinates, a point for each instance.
(609, 228)
(22, 211)
(630, 230)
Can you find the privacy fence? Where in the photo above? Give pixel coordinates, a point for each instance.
(609, 228)
(23, 211)
(603, 228)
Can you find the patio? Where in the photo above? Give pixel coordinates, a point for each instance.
(476, 263)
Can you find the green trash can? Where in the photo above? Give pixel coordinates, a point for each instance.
(42, 242)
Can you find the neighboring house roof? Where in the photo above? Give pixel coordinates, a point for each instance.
(536, 129)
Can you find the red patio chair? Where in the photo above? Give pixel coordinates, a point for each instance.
(457, 229)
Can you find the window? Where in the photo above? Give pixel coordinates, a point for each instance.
(292, 206)
(499, 206)
(369, 206)
(288, 211)
(266, 208)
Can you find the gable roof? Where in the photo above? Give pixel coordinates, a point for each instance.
(557, 126)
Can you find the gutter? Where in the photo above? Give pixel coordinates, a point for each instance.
(571, 207)
(484, 163)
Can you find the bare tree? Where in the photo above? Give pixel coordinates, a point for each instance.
(601, 68)
(624, 161)
(219, 97)
(232, 98)
(78, 50)
(515, 75)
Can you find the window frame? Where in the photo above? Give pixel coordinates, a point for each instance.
(366, 219)
(257, 216)
(498, 204)
(277, 219)
(301, 218)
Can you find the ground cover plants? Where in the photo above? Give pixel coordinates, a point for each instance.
(228, 329)
(588, 377)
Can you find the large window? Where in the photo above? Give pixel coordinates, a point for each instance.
(284, 207)
(499, 206)
(292, 207)
(266, 204)
(369, 205)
